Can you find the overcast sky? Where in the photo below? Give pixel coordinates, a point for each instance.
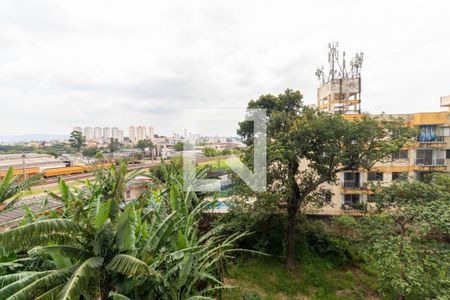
(116, 63)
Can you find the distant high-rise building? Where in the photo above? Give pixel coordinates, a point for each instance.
(78, 129)
(98, 133)
(151, 132)
(88, 133)
(132, 133)
(141, 133)
(120, 139)
(115, 133)
(106, 132)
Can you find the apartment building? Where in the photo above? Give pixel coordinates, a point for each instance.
(88, 133)
(98, 134)
(141, 133)
(115, 133)
(106, 133)
(339, 93)
(430, 153)
(151, 133)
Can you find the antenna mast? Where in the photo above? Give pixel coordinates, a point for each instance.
(340, 89)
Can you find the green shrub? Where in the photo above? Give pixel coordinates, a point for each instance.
(250, 295)
(313, 239)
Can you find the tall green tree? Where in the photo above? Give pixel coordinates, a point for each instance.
(307, 147)
(77, 140)
(113, 145)
(144, 144)
(90, 152)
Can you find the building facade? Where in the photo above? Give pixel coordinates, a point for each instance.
(106, 133)
(340, 94)
(141, 133)
(151, 133)
(430, 153)
(132, 134)
(88, 133)
(115, 133)
(98, 134)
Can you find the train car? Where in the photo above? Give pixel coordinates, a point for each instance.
(55, 172)
(27, 171)
(74, 170)
(64, 171)
(92, 168)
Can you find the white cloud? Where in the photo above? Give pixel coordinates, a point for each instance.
(107, 63)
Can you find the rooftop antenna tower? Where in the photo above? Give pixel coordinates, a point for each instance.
(340, 89)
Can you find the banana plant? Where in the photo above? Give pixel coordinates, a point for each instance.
(11, 186)
(102, 248)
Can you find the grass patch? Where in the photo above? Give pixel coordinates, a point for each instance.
(220, 164)
(268, 278)
(39, 190)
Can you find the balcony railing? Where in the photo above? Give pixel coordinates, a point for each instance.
(433, 140)
(354, 207)
(430, 162)
(350, 184)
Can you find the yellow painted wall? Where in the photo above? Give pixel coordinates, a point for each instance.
(430, 118)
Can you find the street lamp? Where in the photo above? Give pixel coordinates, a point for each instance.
(23, 166)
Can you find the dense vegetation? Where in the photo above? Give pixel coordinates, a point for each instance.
(11, 186)
(54, 149)
(401, 251)
(101, 247)
(325, 143)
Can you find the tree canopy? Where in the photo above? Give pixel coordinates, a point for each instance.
(77, 140)
(307, 147)
(407, 242)
(144, 144)
(113, 145)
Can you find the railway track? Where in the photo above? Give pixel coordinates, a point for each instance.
(12, 216)
(73, 177)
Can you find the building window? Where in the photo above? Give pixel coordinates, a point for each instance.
(351, 199)
(399, 176)
(430, 157)
(424, 176)
(375, 176)
(371, 198)
(351, 180)
(424, 157)
(447, 154)
(328, 196)
(403, 154)
(430, 133)
(351, 202)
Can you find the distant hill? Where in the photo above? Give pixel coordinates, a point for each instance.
(31, 137)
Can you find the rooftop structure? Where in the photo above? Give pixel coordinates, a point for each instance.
(30, 160)
(340, 89)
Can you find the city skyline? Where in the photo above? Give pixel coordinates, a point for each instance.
(64, 64)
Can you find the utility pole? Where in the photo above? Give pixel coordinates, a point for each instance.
(23, 167)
